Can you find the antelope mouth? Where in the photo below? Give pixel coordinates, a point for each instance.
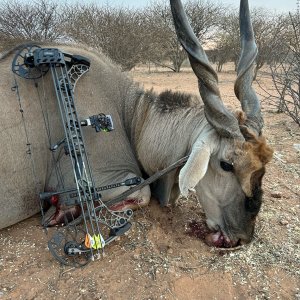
(220, 240)
(216, 239)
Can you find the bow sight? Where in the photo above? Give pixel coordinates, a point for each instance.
(84, 237)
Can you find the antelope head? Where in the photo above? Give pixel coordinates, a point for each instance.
(227, 163)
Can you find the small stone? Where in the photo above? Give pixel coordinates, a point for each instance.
(136, 256)
(297, 147)
(277, 195)
(283, 222)
(170, 251)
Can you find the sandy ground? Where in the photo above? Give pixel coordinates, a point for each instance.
(158, 259)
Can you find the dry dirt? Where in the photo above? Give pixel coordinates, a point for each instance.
(157, 259)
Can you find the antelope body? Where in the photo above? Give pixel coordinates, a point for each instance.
(227, 153)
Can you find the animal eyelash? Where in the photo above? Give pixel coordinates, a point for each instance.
(226, 166)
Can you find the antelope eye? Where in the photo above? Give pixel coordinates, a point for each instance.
(227, 167)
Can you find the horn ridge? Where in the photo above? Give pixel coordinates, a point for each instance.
(245, 72)
(216, 113)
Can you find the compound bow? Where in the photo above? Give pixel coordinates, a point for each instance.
(76, 243)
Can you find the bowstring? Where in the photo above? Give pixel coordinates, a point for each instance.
(29, 150)
(55, 159)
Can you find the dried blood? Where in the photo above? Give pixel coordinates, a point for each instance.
(198, 230)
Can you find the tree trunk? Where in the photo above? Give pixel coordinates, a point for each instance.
(219, 67)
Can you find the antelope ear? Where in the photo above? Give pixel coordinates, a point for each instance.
(195, 168)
